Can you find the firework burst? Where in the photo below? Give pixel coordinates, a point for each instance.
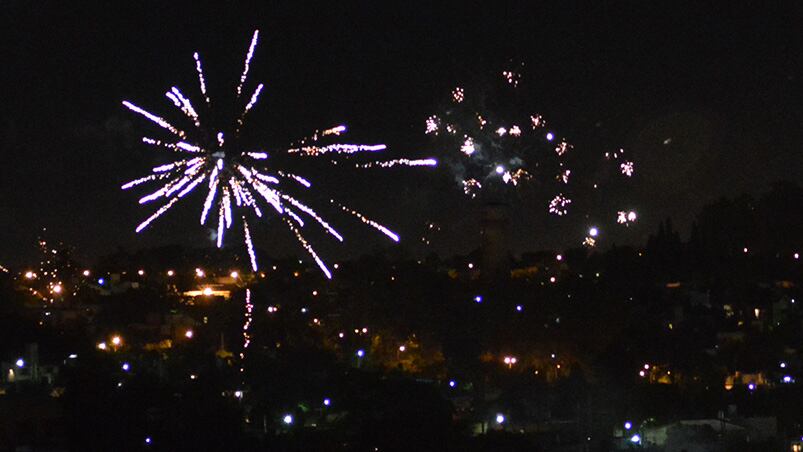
(234, 178)
(494, 143)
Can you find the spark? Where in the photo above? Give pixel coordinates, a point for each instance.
(227, 174)
(458, 95)
(468, 146)
(559, 204)
(623, 217)
(562, 147)
(471, 187)
(627, 168)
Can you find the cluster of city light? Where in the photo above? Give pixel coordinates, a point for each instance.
(249, 308)
(233, 178)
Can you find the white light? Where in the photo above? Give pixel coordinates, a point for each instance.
(402, 348)
(787, 379)
(593, 232)
(552, 279)
(646, 366)
(341, 335)
(30, 275)
(116, 340)
(188, 334)
(73, 356)
(783, 365)
(207, 291)
(364, 330)
(126, 367)
(797, 255)
(519, 308)
(141, 272)
(327, 402)
(500, 169)
(470, 266)
(102, 346)
(86, 272)
(641, 373)
(148, 440)
(500, 418)
(101, 281)
(559, 257)
(20, 363)
(170, 273)
(57, 288)
(549, 136)
(238, 394)
(452, 383)
(635, 439)
(287, 419)
(199, 273)
(478, 299)
(235, 274)
(628, 425)
(751, 386)
(360, 353)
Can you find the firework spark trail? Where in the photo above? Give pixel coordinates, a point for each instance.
(337, 149)
(369, 222)
(399, 162)
(249, 308)
(155, 119)
(247, 63)
(156, 215)
(309, 249)
(249, 245)
(225, 173)
(201, 80)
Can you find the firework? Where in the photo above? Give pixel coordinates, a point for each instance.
(234, 178)
(495, 145)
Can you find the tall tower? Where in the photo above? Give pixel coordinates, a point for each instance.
(494, 248)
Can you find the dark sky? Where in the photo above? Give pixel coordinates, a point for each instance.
(721, 86)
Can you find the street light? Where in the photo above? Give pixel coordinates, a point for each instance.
(500, 418)
(20, 363)
(287, 419)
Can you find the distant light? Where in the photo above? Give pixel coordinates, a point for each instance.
(402, 348)
(170, 273)
(500, 169)
(519, 307)
(552, 279)
(287, 419)
(314, 293)
(336, 266)
(238, 394)
(207, 291)
(641, 373)
(193, 376)
(73, 356)
(500, 418)
(787, 379)
(303, 310)
(148, 440)
(593, 232)
(272, 309)
(360, 353)
(452, 383)
(646, 367)
(101, 346)
(20, 363)
(478, 299)
(628, 425)
(140, 272)
(635, 439)
(117, 340)
(341, 335)
(30, 275)
(751, 386)
(783, 365)
(631, 216)
(86, 272)
(559, 257)
(126, 367)
(327, 402)
(57, 288)
(235, 274)
(744, 250)
(797, 256)
(188, 334)
(364, 330)
(199, 273)
(101, 281)
(550, 136)
(470, 265)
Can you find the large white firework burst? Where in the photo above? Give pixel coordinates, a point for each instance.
(234, 178)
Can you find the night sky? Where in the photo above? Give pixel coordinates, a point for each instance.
(707, 101)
